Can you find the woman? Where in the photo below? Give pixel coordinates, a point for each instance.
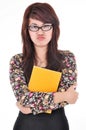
(40, 33)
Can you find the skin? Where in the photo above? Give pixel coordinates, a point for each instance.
(41, 40)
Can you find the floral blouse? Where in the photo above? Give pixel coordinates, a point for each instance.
(40, 102)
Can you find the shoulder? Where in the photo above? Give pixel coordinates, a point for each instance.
(17, 56)
(68, 58)
(67, 54)
(16, 59)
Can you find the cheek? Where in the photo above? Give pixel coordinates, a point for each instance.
(49, 36)
(32, 36)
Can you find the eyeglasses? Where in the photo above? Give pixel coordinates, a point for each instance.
(35, 28)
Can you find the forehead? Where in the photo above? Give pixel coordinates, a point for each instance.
(34, 21)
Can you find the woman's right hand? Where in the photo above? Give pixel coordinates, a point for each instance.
(23, 109)
(71, 95)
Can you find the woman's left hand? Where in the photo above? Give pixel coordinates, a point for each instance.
(23, 109)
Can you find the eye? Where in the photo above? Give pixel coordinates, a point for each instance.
(33, 27)
(47, 27)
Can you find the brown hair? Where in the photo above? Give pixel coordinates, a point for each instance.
(45, 13)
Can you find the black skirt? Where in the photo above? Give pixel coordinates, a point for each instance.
(55, 121)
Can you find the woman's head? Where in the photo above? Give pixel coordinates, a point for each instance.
(44, 13)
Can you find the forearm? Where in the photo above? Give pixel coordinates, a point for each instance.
(43, 106)
(59, 97)
(37, 102)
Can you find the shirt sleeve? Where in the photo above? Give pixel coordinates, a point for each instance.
(37, 101)
(69, 74)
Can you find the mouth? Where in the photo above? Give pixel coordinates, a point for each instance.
(41, 38)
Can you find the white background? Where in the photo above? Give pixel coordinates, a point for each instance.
(73, 37)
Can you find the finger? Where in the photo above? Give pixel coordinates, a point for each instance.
(74, 87)
(18, 104)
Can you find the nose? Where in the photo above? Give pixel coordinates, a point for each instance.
(40, 31)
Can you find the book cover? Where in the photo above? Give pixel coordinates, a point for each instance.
(44, 80)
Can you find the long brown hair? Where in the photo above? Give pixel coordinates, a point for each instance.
(45, 13)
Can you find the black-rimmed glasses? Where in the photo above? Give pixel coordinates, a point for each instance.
(35, 28)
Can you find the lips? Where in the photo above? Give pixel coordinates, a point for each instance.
(40, 38)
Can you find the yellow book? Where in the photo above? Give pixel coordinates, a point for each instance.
(44, 80)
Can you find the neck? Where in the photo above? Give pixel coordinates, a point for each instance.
(41, 57)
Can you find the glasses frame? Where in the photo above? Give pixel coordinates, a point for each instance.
(41, 27)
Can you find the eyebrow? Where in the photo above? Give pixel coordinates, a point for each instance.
(33, 24)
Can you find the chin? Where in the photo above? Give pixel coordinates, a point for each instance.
(41, 45)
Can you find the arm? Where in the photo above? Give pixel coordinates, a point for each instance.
(37, 102)
(69, 75)
(69, 96)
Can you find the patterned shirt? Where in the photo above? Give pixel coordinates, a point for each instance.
(40, 102)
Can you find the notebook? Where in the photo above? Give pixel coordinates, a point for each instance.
(44, 80)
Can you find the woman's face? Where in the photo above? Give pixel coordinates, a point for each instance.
(40, 36)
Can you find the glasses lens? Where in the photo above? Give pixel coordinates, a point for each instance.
(33, 28)
(46, 27)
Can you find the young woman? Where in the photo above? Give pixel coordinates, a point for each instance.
(40, 33)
